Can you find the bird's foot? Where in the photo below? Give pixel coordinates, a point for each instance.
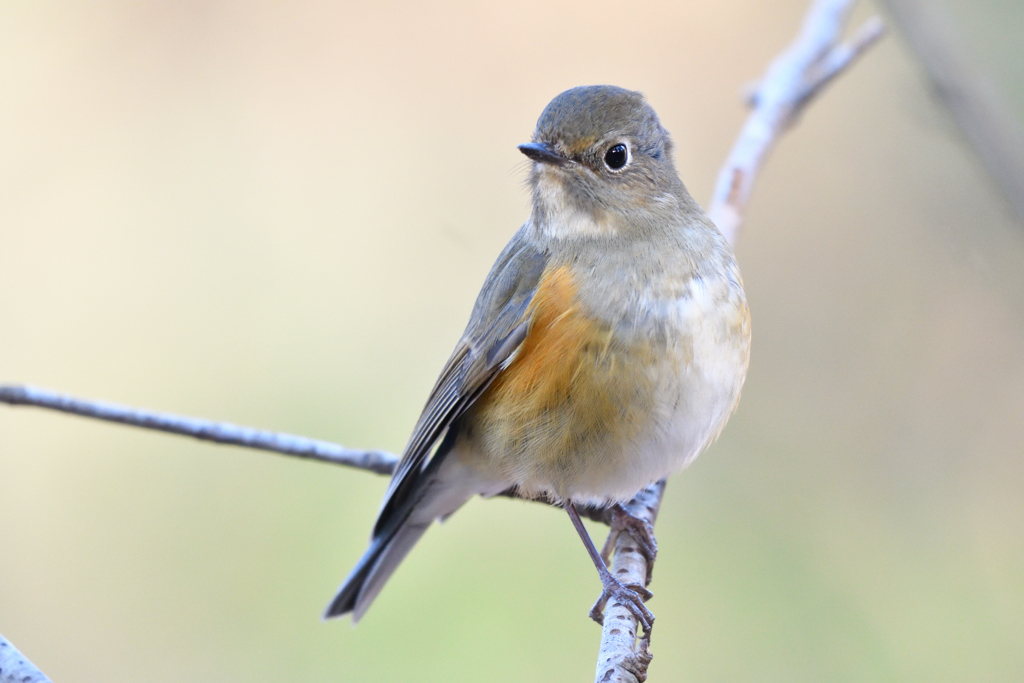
(632, 597)
(639, 530)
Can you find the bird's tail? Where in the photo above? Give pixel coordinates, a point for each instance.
(440, 494)
(377, 565)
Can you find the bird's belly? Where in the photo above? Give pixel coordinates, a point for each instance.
(588, 412)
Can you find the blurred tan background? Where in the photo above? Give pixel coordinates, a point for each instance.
(279, 214)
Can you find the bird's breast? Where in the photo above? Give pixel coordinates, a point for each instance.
(601, 397)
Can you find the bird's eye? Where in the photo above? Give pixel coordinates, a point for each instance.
(616, 156)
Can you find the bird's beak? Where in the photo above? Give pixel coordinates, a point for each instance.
(538, 151)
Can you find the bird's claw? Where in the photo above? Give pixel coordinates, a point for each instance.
(632, 597)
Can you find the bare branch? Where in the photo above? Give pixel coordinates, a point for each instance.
(205, 430)
(791, 82)
(972, 98)
(621, 658)
(15, 668)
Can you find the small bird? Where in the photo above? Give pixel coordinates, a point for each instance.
(606, 349)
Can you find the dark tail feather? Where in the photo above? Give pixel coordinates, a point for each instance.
(434, 494)
(374, 569)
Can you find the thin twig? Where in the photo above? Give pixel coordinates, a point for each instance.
(15, 668)
(205, 430)
(971, 97)
(790, 83)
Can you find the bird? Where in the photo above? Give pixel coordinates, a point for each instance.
(607, 347)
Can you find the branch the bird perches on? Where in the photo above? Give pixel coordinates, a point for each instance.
(792, 80)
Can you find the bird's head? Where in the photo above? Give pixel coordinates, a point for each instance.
(603, 164)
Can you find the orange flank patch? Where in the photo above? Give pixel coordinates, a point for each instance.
(549, 415)
(557, 332)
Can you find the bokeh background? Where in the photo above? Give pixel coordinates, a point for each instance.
(279, 214)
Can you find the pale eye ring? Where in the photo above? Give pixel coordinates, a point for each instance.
(617, 156)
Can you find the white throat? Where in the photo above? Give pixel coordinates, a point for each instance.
(559, 217)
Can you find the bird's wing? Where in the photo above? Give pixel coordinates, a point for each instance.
(496, 329)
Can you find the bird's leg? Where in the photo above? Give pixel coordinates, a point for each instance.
(638, 529)
(632, 597)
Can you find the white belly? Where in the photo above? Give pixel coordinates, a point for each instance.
(697, 388)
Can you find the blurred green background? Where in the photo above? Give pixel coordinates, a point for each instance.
(279, 214)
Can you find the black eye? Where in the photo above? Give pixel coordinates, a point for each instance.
(616, 157)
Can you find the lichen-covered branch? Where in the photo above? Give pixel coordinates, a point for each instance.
(791, 82)
(15, 668)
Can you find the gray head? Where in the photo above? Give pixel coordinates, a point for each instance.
(602, 157)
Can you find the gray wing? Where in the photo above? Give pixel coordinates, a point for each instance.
(496, 328)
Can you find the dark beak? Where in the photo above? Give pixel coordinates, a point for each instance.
(538, 151)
